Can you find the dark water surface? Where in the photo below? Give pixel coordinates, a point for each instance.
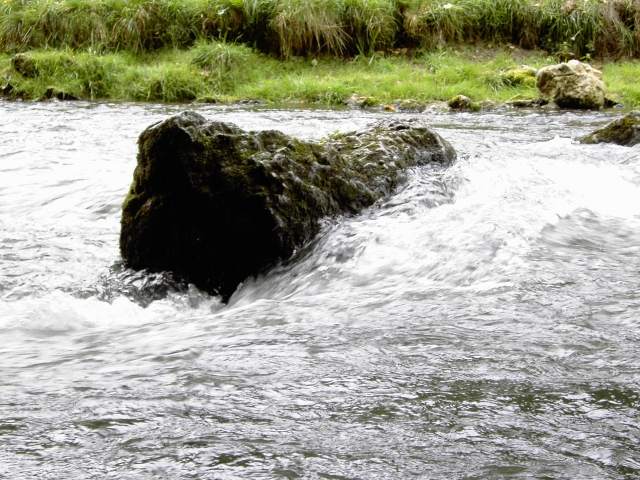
(482, 323)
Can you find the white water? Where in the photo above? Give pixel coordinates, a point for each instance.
(482, 323)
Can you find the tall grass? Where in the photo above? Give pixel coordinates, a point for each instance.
(222, 63)
(113, 25)
(371, 25)
(569, 27)
(311, 27)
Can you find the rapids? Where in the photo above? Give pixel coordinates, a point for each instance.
(483, 322)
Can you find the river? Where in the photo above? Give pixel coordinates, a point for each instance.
(481, 323)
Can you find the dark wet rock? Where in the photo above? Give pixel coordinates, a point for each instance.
(215, 204)
(250, 101)
(24, 65)
(573, 85)
(53, 93)
(6, 90)
(12, 93)
(535, 103)
(623, 131)
(611, 103)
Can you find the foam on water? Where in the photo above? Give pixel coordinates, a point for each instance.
(58, 312)
(481, 323)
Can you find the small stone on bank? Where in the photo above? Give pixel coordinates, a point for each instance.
(461, 102)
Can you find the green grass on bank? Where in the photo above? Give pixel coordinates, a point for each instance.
(623, 81)
(429, 77)
(218, 71)
(336, 27)
(307, 51)
(225, 72)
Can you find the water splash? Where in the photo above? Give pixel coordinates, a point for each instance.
(482, 323)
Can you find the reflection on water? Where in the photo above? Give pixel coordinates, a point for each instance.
(482, 323)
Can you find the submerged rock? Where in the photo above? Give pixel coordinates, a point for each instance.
(572, 85)
(530, 103)
(623, 131)
(52, 93)
(215, 204)
(611, 103)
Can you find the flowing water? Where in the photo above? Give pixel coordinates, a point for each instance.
(483, 322)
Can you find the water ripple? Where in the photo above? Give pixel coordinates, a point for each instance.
(482, 323)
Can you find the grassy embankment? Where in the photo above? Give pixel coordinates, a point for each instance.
(310, 52)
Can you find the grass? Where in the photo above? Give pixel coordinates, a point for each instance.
(571, 27)
(166, 77)
(311, 27)
(622, 81)
(219, 71)
(309, 51)
(431, 77)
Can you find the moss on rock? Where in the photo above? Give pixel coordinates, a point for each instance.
(523, 75)
(215, 204)
(623, 131)
(462, 102)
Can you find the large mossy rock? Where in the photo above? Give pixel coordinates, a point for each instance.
(623, 131)
(572, 85)
(215, 204)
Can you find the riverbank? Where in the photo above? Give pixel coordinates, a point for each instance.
(394, 53)
(220, 72)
